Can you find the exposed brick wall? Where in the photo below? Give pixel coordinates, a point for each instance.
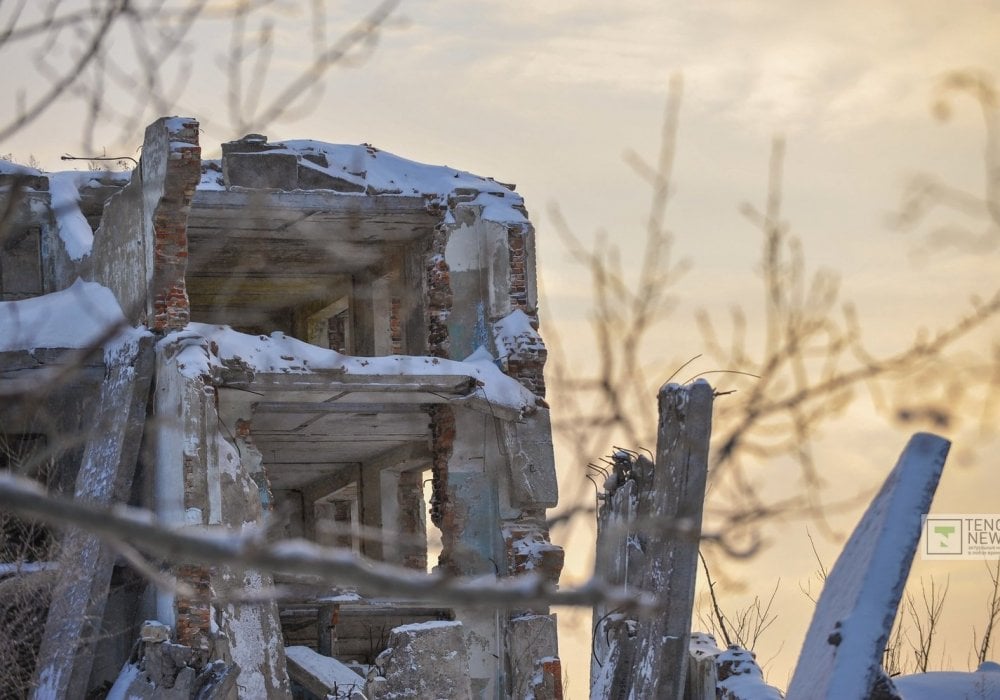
(171, 310)
(193, 615)
(529, 549)
(528, 369)
(517, 246)
(337, 332)
(548, 685)
(439, 295)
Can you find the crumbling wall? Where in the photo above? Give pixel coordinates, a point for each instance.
(140, 248)
(439, 294)
(166, 210)
(481, 293)
(203, 481)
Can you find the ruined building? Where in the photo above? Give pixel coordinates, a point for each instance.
(305, 334)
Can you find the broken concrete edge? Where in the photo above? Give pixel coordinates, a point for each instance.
(427, 659)
(166, 670)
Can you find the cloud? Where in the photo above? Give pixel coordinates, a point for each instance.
(842, 66)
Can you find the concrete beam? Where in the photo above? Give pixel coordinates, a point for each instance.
(324, 486)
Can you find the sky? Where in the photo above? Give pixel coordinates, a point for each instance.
(550, 95)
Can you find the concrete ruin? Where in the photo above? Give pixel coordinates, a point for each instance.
(298, 334)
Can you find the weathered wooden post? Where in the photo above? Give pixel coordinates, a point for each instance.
(841, 658)
(661, 508)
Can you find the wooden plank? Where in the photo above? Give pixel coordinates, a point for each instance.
(841, 658)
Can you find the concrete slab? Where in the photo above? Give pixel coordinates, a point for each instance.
(841, 658)
(322, 675)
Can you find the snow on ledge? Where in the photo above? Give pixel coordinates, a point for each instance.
(76, 317)
(424, 626)
(280, 354)
(74, 230)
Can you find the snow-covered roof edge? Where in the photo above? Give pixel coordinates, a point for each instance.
(279, 353)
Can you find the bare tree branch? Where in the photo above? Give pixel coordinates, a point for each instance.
(136, 528)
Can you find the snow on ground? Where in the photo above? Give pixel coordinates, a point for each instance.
(983, 684)
(279, 353)
(76, 317)
(8, 167)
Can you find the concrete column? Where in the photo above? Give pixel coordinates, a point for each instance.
(412, 521)
(370, 507)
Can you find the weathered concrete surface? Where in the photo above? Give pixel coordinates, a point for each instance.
(140, 248)
(470, 530)
(321, 675)
(426, 661)
(648, 535)
(676, 501)
(535, 671)
(841, 658)
(86, 563)
(250, 637)
(202, 480)
(531, 463)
